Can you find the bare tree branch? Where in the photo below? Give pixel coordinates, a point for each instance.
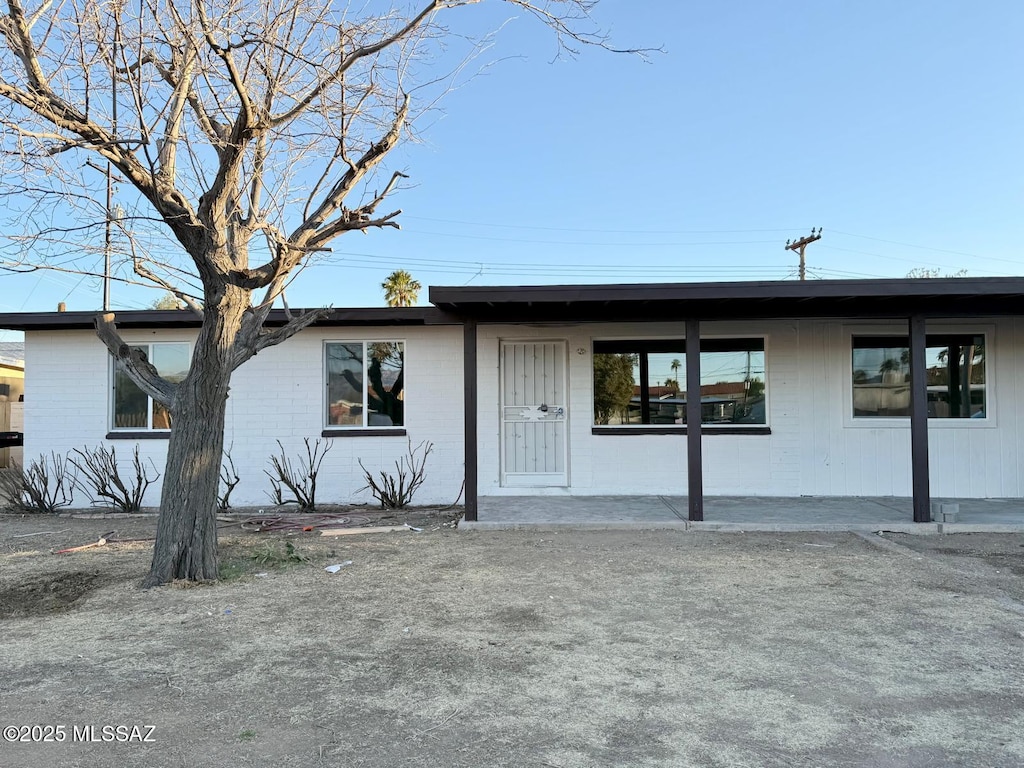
(362, 217)
(252, 339)
(143, 271)
(313, 230)
(134, 362)
(360, 52)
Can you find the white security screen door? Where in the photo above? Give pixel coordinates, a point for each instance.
(533, 413)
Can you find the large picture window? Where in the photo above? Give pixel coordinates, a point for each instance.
(365, 384)
(955, 370)
(134, 409)
(643, 382)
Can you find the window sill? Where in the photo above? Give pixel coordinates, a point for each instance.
(646, 430)
(903, 422)
(137, 435)
(359, 432)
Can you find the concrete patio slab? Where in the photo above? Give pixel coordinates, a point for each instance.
(742, 513)
(580, 512)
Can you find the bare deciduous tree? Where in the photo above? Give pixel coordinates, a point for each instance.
(251, 133)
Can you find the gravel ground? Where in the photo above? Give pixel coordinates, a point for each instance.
(557, 650)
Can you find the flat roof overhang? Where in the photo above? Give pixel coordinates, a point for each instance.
(892, 298)
(183, 318)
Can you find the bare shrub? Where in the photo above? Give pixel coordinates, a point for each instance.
(396, 491)
(101, 479)
(229, 477)
(43, 487)
(299, 479)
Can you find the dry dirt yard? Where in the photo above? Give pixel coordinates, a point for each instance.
(554, 650)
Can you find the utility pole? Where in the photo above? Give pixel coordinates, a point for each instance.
(800, 246)
(108, 235)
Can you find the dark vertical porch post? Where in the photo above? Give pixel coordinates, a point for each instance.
(919, 420)
(469, 381)
(694, 464)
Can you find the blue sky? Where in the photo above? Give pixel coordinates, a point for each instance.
(897, 127)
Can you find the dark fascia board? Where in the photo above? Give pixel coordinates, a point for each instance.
(891, 298)
(961, 296)
(183, 318)
(775, 289)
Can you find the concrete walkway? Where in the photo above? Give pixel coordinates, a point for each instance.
(742, 513)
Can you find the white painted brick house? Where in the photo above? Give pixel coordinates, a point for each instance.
(830, 388)
(278, 395)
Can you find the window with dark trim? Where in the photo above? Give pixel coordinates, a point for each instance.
(955, 369)
(365, 385)
(133, 410)
(643, 382)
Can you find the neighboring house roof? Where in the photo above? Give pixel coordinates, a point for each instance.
(899, 298)
(180, 318)
(12, 354)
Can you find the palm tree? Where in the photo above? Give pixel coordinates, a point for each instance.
(400, 290)
(889, 364)
(675, 371)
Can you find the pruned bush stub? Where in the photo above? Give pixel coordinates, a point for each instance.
(395, 491)
(298, 479)
(43, 487)
(101, 479)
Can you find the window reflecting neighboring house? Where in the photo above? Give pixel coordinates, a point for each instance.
(643, 382)
(956, 376)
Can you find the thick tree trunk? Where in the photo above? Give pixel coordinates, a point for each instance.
(186, 537)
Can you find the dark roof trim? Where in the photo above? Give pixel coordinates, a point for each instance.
(183, 318)
(775, 289)
(891, 298)
(887, 298)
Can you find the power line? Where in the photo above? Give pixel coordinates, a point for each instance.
(710, 272)
(918, 261)
(456, 266)
(450, 265)
(919, 247)
(587, 243)
(593, 229)
(528, 265)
